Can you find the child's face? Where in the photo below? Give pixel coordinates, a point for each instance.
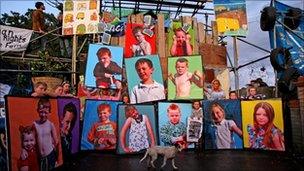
(105, 58)
(233, 96)
(29, 141)
(218, 115)
(252, 91)
(180, 37)
(104, 115)
(216, 85)
(261, 117)
(66, 122)
(40, 89)
(125, 99)
(181, 68)
(139, 36)
(44, 111)
(174, 116)
(59, 90)
(144, 71)
(66, 87)
(133, 113)
(196, 105)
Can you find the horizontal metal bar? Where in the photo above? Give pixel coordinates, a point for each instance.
(36, 71)
(167, 10)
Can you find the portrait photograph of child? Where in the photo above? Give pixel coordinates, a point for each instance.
(145, 81)
(180, 39)
(263, 124)
(172, 123)
(33, 141)
(69, 117)
(137, 128)
(139, 41)
(185, 78)
(104, 66)
(99, 125)
(223, 124)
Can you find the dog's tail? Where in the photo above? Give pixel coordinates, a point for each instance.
(146, 154)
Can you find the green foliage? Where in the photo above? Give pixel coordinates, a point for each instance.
(47, 65)
(15, 19)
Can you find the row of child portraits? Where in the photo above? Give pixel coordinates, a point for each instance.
(49, 128)
(140, 40)
(104, 70)
(224, 124)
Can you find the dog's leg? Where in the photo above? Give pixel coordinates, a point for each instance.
(144, 156)
(165, 161)
(173, 165)
(153, 158)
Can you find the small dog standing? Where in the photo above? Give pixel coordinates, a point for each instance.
(167, 152)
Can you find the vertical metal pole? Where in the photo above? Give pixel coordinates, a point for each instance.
(275, 72)
(236, 72)
(206, 28)
(74, 55)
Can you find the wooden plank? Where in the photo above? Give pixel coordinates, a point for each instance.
(164, 66)
(186, 20)
(121, 41)
(167, 49)
(195, 34)
(131, 18)
(114, 41)
(209, 39)
(201, 32)
(160, 34)
(214, 32)
(140, 18)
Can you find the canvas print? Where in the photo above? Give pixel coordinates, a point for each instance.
(69, 117)
(140, 40)
(263, 124)
(231, 17)
(33, 133)
(185, 78)
(99, 125)
(180, 39)
(137, 128)
(145, 81)
(80, 17)
(195, 122)
(172, 120)
(223, 124)
(104, 66)
(194, 129)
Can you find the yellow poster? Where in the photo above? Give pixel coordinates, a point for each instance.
(263, 124)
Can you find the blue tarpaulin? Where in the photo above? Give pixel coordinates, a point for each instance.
(285, 38)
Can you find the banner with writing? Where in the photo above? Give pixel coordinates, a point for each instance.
(14, 39)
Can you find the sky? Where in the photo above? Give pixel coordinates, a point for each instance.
(246, 52)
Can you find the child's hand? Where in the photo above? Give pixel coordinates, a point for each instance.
(108, 75)
(111, 141)
(133, 48)
(170, 76)
(101, 141)
(143, 44)
(174, 39)
(127, 150)
(24, 154)
(188, 38)
(198, 73)
(180, 138)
